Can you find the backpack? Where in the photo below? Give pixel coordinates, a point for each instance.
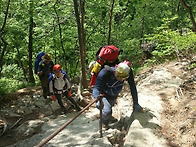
(37, 60)
(52, 77)
(107, 55)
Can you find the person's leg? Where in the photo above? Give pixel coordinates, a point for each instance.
(72, 101)
(44, 83)
(45, 92)
(58, 97)
(107, 109)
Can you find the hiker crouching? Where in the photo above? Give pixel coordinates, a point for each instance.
(59, 86)
(110, 83)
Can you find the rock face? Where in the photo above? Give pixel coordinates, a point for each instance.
(156, 87)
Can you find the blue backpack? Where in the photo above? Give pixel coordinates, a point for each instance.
(37, 60)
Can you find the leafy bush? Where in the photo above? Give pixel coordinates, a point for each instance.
(170, 44)
(12, 71)
(8, 85)
(192, 66)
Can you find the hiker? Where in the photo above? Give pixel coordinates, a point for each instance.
(109, 83)
(44, 69)
(59, 86)
(106, 55)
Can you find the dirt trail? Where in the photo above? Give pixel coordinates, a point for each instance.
(167, 93)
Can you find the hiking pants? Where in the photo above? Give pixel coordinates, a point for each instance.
(59, 99)
(45, 88)
(107, 109)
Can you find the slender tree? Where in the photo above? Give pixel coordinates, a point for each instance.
(81, 44)
(20, 62)
(60, 34)
(30, 45)
(186, 6)
(3, 41)
(110, 21)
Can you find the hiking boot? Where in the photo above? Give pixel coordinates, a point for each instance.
(113, 120)
(64, 110)
(105, 127)
(47, 101)
(78, 108)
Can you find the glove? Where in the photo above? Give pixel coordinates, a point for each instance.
(69, 94)
(53, 97)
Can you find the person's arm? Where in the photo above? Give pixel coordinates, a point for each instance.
(40, 68)
(51, 88)
(133, 87)
(51, 66)
(100, 83)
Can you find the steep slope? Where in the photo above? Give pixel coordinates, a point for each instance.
(167, 93)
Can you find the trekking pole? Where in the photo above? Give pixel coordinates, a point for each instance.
(44, 141)
(100, 119)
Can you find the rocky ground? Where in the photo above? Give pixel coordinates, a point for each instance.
(167, 92)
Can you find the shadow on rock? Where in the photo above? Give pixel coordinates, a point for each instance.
(144, 119)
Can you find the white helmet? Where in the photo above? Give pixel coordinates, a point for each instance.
(122, 70)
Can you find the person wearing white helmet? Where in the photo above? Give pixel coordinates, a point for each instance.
(110, 83)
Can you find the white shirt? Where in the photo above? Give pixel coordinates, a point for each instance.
(59, 83)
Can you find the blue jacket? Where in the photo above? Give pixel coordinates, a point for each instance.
(108, 85)
(46, 68)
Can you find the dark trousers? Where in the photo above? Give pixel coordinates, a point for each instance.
(59, 99)
(45, 88)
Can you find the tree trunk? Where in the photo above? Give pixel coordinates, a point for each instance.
(60, 33)
(81, 44)
(82, 3)
(110, 21)
(21, 64)
(2, 54)
(54, 40)
(30, 45)
(5, 19)
(190, 13)
(3, 41)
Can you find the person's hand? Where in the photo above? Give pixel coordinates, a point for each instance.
(99, 106)
(40, 73)
(53, 97)
(69, 94)
(137, 107)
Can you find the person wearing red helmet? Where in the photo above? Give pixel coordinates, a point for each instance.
(109, 83)
(59, 86)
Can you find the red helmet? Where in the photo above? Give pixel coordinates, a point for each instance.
(56, 67)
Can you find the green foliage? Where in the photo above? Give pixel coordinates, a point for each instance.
(8, 85)
(12, 71)
(192, 66)
(170, 43)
